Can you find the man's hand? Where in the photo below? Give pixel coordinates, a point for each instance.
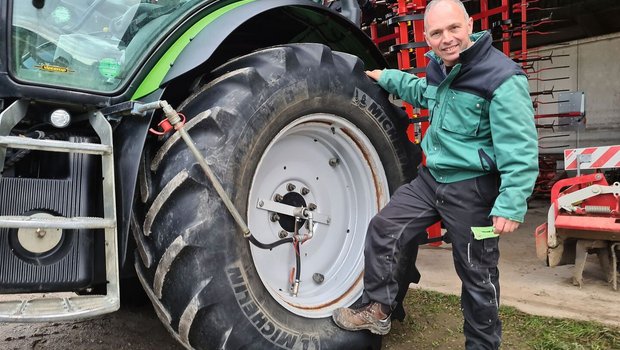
(374, 74)
(503, 225)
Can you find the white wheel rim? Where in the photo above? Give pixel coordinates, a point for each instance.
(349, 193)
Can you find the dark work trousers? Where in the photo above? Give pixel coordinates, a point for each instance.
(459, 205)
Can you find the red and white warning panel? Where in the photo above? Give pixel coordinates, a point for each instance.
(592, 157)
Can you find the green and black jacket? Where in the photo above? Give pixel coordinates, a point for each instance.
(481, 121)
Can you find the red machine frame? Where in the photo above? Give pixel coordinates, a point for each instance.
(584, 217)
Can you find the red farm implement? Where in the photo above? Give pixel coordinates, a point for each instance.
(584, 216)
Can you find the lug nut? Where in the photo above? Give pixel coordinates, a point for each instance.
(334, 161)
(311, 206)
(282, 234)
(290, 187)
(41, 233)
(305, 191)
(318, 278)
(278, 197)
(275, 217)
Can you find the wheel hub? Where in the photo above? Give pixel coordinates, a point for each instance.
(288, 222)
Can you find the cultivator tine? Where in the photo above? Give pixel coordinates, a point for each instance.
(537, 32)
(529, 68)
(554, 147)
(547, 92)
(518, 7)
(550, 126)
(536, 102)
(529, 26)
(539, 58)
(548, 79)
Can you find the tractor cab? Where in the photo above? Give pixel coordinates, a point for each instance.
(92, 45)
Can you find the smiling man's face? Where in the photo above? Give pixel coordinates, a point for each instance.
(447, 30)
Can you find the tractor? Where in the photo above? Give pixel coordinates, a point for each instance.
(226, 154)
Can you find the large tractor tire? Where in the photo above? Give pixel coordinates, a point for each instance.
(299, 125)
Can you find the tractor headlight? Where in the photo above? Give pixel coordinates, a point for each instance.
(60, 118)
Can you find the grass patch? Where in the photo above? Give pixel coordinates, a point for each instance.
(558, 334)
(434, 321)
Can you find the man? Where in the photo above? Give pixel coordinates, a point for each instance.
(481, 165)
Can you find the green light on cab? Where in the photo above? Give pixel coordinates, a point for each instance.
(109, 68)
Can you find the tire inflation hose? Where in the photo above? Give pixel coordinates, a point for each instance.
(270, 246)
(297, 261)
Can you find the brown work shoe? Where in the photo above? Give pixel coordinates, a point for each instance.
(369, 317)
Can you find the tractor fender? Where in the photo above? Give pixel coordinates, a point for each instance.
(200, 43)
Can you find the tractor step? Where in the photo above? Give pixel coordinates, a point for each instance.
(57, 309)
(54, 145)
(41, 307)
(56, 222)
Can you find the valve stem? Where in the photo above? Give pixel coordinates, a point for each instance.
(295, 288)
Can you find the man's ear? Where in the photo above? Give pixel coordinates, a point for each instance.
(426, 39)
(470, 25)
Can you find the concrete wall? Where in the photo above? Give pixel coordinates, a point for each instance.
(594, 68)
